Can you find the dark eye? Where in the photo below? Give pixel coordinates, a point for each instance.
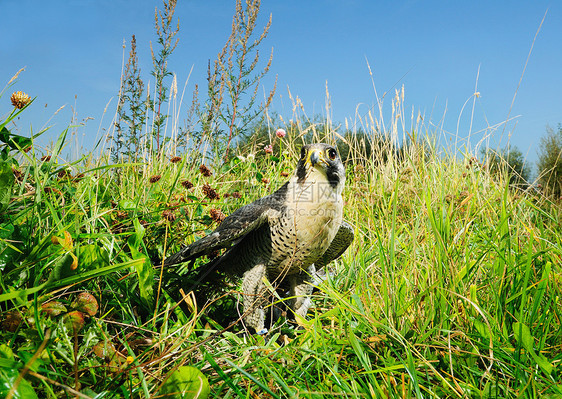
(303, 153)
(332, 154)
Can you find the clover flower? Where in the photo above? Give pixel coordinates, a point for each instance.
(20, 99)
(154, 179)
(205, 171)
(210, 192)
(168, 215)
(280, 133)
(186, 184)
(217, 215)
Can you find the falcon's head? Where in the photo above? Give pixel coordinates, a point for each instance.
(321, 163)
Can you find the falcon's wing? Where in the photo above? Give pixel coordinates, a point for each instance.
(233, 228)
(342, 240)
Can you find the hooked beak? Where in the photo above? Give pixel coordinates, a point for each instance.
(315, 157)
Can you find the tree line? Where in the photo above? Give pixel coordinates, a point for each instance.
(511, 161)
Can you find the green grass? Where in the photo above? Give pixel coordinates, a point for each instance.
(451, 288)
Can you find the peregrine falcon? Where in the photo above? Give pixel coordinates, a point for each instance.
(285, 237)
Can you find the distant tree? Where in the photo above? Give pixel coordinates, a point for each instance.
(355, 145)
(550, 162)
(508, 160)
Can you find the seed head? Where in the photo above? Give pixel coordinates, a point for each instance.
(268, 149)
(265, 180)
(48, 190)
(168, 215)
(210, 192)
(154, 179)
(462, 195)
(18, 174)
(175, 159)
(121, 214)
(186, 184)
(284, 174)
(179, 198)
(11, 320)
(236, 194)
(217, 215)
(79, 177)
(20, 99)
(63, 173)
(205, 171)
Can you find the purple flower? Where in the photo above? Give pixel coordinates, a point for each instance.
(268, 149)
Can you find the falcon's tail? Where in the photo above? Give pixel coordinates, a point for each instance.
(206, 281)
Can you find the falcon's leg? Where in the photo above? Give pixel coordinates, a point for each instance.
(301, 288)
(254, 291)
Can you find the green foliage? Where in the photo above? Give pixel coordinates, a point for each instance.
(6, 184)
(451, 288)
(186, 383)
(550, 162)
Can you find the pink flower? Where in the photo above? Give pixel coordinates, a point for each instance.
(268, 149)
(281, 133)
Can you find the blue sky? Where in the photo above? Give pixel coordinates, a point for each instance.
(434, 48)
